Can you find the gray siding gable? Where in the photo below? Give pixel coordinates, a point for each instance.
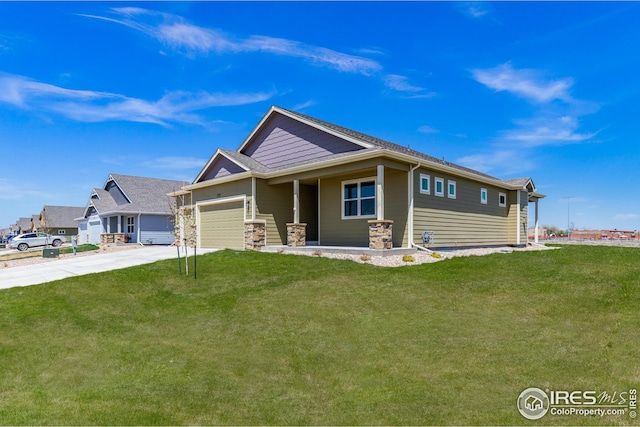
(283, 141)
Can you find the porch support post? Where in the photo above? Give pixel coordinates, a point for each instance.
(380, 193)
(119, 223)
(535, 230)
(254, 235)
(518, 217)
(296, 201)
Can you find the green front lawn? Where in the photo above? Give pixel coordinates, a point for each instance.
(292, 340)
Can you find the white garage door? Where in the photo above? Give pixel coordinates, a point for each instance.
(222, 225)
(95, 229)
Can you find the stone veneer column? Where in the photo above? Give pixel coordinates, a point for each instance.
(296, 234)
(254, 235)
(380, 234)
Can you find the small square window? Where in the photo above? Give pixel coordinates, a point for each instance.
(439, 187)
(483, 196)
(451, 189)
(62, 231)
(502, 200)
(425, 184)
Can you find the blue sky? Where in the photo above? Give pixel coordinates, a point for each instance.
(547, 90)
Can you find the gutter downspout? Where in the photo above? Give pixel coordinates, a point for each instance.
(411, 171)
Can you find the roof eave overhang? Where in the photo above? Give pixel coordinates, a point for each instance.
(218, 152)
(356, 156)
(111, 213)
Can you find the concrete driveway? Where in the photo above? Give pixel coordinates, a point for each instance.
(77, 266)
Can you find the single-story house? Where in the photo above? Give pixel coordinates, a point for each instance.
(60, 220)
(26, 225)
(129, 209)
(296, 180)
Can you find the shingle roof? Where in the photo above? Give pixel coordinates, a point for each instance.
(147, 195)
(245, 160)
(62, 216)
(103, 202)
(381, 143)
(518, 181)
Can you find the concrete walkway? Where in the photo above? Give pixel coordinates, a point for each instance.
(77, 266)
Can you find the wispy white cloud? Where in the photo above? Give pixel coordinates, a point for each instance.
(304, 105)
(626, 217)
(427, 129)
(94, 106)
(526, 83)
(401, 84)
(547, 131)
(507, 162)
(178, 34)
(475, 9)
(14, 190)
(556, 117)
(175, 162)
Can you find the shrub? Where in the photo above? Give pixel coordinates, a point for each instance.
(407, 258)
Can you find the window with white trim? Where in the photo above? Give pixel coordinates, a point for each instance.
(439, 191)
(451, 189)
(62, 231)
(502, 200)
(425, 184)
(483, 196)
(359, 198)
(131, 228)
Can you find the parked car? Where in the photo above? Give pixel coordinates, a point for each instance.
(29, 240)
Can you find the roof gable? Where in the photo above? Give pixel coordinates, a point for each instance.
(143, 195)
(282, 139)
(60, 216)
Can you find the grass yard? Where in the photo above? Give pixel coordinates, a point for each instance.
(292, 340)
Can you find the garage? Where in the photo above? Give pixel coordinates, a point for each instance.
(95, 229)
(222, 225)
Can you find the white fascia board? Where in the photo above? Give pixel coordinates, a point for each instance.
(245, 167)
(111, 178)
(326, 129)
(258, 126)
(275, 109)
(125, 213)
(357, 156)
(206, 166)
(221, 180)
(218, 152)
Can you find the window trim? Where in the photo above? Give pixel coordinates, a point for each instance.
(440, 181)
(62, 231)
(500, 202)
(423, 177)
(484, 196)
(451, 183)
(359, 181)
(131, 226)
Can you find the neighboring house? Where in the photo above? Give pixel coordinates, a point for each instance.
(26, 225)
(298, 180)
(60, 220)
(129, 209)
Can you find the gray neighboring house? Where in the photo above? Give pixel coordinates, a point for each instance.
(26, 225)
(129, 209)
(60, 220)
